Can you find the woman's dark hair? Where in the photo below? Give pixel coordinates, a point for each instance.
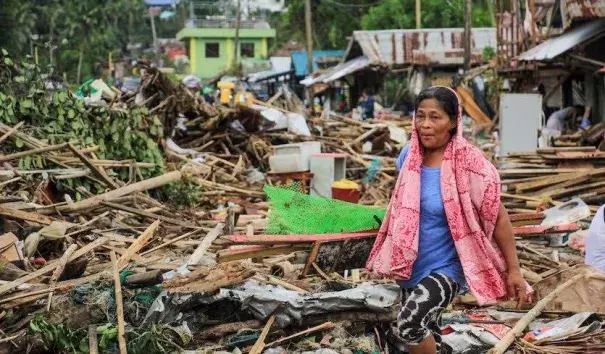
(446, 98)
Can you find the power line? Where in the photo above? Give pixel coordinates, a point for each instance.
(333, 2)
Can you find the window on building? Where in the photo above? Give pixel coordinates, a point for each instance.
(212, 50)
(247, 50)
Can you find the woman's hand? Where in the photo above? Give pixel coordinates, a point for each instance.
(516, 287)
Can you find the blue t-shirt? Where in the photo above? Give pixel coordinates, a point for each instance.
(436, 249)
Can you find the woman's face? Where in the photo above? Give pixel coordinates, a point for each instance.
(433, 124)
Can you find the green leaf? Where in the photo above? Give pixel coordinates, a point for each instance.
(20, 79)
(4, 52)
(19, 143)
(27, 163)
(8, 62)
(71, 113)
(27, 103)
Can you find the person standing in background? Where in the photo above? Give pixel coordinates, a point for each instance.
(367, 105)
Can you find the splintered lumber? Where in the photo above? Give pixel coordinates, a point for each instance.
(174, 240)
(25, 215)
(58, 271)
(259, 345)
(51, 267)
(119, 192)
(275, 239)
(311, 259)
(19, 155)
(275, 281)
(322, 327)
(224, 329)
(208, 280)
(229, 255)
(119, 302)
(140, 242)
(198, 254)
(11, 131)
(149, 215)
(518, 329)
(94, 169)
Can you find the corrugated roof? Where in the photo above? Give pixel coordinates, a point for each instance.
(160, 2)
(299, 59)
(438, 46)
(340, 70)
(554, 47)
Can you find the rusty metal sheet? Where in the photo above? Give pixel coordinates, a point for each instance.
(574, 10)
(440, 46)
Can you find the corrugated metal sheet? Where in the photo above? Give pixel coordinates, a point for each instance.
(554, 47)
(440, 46)
(574, 10)
(340, 70)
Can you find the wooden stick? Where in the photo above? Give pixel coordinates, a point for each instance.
(119, 305)
(6, 183)
(120, 192)
(149, 215)
(153, 277)
(517, 331)
(257, 348)
(94, 169)
(311, 259)
(140, 242)
(21, 154)
(58, 271)
(272, 280)
(197, 255)
(174, 240)
(11, 131)
(24, 215)
(93, 345)
(49, 268)
(321, 327)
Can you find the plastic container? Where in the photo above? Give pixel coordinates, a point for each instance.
(345, 190)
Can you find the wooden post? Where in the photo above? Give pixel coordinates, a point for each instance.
(418, 15)
(309, 33)
(119, 304)
(236, 50)
(155, 37)
(467, 34)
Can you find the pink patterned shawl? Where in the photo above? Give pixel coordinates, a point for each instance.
(470, 186)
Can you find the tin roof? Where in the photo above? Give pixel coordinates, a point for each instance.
(338, 71)
(438, 46)
(554, 47)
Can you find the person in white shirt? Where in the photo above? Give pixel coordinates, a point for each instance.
(595, 241)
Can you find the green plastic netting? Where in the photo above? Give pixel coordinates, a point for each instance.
(302, 214)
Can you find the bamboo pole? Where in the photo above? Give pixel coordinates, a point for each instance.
(58, 271)
(119, 303)
(517, 331)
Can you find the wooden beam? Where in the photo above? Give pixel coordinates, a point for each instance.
(275, 239)
(140, 242)
(25, 215)
(119, 302)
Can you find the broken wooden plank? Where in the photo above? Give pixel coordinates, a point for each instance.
(140, 242)
(276, 239)
(197, 255)
(51, 267)
(259, 345)
(119, 302)
(230, 255)
(25, 215)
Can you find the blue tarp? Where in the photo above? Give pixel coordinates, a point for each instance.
(299, 59)
(160, 2)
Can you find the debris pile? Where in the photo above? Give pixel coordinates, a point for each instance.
(97, 256)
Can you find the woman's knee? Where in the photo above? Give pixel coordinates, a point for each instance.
(411, 332)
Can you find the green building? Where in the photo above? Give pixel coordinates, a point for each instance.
(212, 49)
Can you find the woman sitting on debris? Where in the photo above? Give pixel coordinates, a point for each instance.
(445, 227)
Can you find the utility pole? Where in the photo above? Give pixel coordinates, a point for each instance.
(236, 41)
(418, 15)
(155, 36)
(309, 50)
(467, 35)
